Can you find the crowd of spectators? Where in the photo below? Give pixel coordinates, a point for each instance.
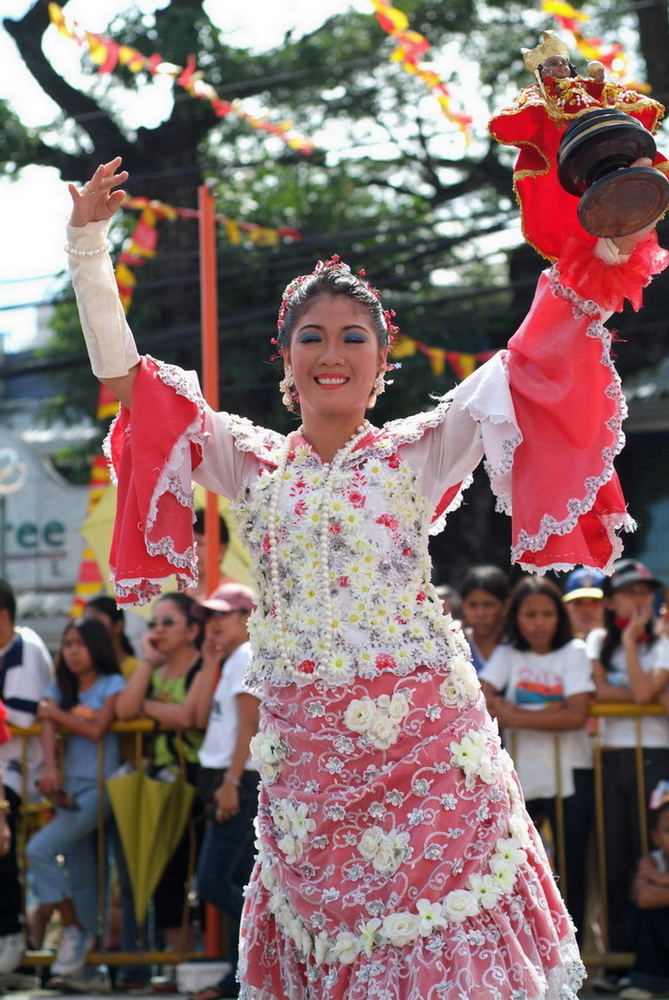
(544, 653)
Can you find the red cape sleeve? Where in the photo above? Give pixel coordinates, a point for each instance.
(567, 502)
(153, 449)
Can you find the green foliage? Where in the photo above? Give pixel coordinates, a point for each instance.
(19, 144)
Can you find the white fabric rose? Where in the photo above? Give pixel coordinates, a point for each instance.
(400, 928)
(360, 714)
(346, 948)
(369, 842)
(382, 732)
(459, 905)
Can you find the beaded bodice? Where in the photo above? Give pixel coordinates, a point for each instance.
(349, 593)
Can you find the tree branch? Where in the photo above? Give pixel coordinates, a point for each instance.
(103, 132)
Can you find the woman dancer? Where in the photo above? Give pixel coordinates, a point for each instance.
(396, 859)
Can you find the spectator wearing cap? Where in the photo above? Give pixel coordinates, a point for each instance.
(630, 666)
(229, 777)
(583, 597)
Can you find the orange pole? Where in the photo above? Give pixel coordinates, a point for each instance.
(209, 320)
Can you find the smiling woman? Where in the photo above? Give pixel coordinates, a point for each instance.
(396, 858)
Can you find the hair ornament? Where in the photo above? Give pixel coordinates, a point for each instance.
(334, 263)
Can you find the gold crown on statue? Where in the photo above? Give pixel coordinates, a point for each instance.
(551, 45)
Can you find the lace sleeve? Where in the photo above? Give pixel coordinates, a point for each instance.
(475, 419)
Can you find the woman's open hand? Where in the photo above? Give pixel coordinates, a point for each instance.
(97, 200)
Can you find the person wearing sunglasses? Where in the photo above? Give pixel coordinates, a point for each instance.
(161, 688)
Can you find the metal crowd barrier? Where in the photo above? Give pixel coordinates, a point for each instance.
(593, 957)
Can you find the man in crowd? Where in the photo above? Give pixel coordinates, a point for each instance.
(26, 668)
(228, 774)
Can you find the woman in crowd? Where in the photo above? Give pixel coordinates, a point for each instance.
(484, 593)
(161, 688)
(81, 702)
(396, 859)
(546, 679)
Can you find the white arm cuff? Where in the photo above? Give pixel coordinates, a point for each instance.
(109, 340)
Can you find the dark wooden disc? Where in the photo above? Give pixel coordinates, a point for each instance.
(596, 144)
(624, 201)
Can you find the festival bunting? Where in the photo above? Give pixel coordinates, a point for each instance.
(462, 363)
(410, 47)
(143, 241)
(107, 55)
(571, 19)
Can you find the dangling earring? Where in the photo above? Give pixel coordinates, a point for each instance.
(286, 386)
(378, 387)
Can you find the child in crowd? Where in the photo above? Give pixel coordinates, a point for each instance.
(630, 666)
(583, 598)
(546, 676)
(484, 593)
(82, 702)
(649, 912)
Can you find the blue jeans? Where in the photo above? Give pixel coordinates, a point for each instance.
(226, 861)
(72, 834)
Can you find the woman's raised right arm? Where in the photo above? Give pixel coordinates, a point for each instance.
(111, 346)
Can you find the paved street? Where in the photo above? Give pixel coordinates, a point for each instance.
(30, 992)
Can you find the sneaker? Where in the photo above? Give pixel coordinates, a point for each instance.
(12, 947)
(74, 946)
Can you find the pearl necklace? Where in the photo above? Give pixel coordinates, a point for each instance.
(330, 469)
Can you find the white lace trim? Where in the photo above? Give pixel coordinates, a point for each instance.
(265, 444)
(577, 507)
(406, 430)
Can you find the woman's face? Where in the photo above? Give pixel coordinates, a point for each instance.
(538, 621)
(335, 357)
(170, 629)
(483, 612)
(76, 655)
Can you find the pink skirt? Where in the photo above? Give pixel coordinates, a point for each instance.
(396, 859)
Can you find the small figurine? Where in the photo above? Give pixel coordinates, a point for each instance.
(535, 122)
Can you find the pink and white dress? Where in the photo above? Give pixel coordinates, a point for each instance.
(396, 860)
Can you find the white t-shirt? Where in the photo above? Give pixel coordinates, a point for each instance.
(621, 732)
(26, 671)
(533, 680)
(221, 736)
